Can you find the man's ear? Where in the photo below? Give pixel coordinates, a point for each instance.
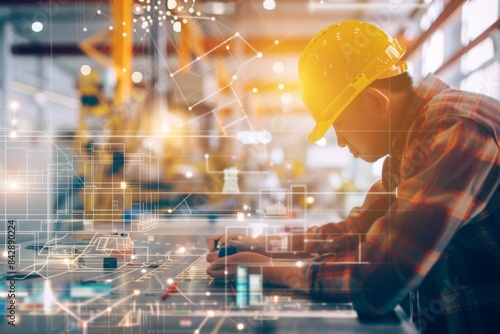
(375, 100)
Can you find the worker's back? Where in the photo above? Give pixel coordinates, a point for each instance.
(460, 294)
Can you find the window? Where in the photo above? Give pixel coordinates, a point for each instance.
(476, 57)
(484, 81)
(433, 53)
(477, 16)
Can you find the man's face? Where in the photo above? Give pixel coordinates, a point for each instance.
(364, 128)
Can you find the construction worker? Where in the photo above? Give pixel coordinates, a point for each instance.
(430, 229)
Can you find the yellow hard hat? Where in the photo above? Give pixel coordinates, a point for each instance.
(341, 61)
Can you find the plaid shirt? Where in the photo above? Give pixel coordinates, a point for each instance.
(432, 243)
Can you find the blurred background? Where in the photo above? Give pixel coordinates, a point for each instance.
(121, 111)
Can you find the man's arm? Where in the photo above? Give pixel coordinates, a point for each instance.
(329, 238)
(344, 236)
(450, 182)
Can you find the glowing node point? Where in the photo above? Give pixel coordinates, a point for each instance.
(240, 326)
(237, 34)
(259, 54)
(225, 272)
(212, 18)
(276, 42)
(37, 26)
(170, 281)
(235, 77)
(137, 292)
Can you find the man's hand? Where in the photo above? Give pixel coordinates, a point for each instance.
(244, 243)
(219, 266)
(228, 239)
(281, 272)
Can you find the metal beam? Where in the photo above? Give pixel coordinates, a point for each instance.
(267, 46)
(485, 34)
(447, 13)
(121, 11)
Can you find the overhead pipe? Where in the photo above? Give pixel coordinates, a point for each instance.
(447, 13)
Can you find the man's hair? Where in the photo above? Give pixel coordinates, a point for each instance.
(398, 83)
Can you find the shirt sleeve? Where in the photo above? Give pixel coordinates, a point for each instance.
(346, 235)
(451, 176)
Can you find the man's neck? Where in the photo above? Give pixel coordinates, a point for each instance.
(400, 102)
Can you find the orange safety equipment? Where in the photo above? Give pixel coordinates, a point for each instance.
(341, 61)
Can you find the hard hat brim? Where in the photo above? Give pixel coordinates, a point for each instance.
(318, 131)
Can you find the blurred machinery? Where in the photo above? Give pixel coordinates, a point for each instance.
(132, 148)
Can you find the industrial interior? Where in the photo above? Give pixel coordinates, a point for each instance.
(133, 130)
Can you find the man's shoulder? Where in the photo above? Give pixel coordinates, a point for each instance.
(454, 104)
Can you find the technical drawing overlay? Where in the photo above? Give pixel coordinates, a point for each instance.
(102, 269)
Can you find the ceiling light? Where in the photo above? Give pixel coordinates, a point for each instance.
(269, 4)
(278, 67)
(219, 8)
(138, 9)
(177, 26)
(137, 77)
(171, 4)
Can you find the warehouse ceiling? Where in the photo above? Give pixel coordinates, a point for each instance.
(241, 34)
